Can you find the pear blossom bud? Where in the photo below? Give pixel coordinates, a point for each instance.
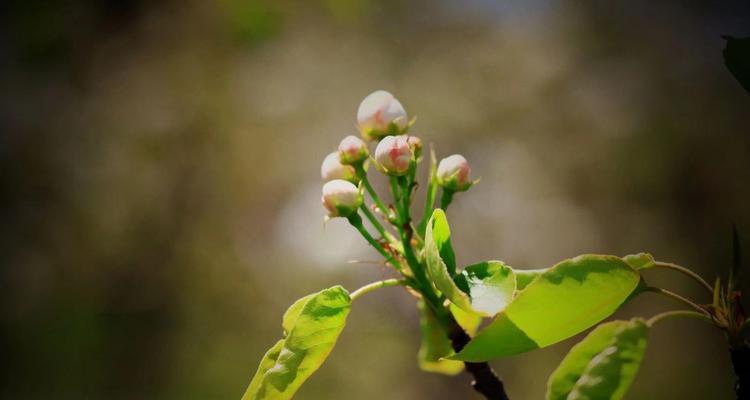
(380, 114)
(394, 155)
(352, 150)
(332, 169)
(453, 173)
(341, 198)
(415, 144)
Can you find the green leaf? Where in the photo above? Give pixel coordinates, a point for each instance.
(484, 288)
(640, 261)
(737, 59)
(490, 286)
(526, 276)
(293, 312)
(602, 365)
(563, 301)
(311, 327)
(435, 345)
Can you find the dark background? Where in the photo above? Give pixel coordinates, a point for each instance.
(159, 200)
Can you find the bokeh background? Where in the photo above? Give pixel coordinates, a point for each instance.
(159, 200)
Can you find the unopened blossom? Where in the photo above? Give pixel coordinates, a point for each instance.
(415, 144)
(352, 150)
(454, 173)
(341, 198)
(380, 114)
(394, 155)
(332, 169)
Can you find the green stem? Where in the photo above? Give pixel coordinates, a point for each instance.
(429, 202)
(376, 285)
(356, 222)
(687, 272)
(446, 198)
(362, 175)
(375, 223)
(395, 190)
(676, 314)
(677, 297)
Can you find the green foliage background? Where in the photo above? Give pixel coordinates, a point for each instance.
(160, 198)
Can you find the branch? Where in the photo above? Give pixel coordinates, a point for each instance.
(486, 381)
(741, 364)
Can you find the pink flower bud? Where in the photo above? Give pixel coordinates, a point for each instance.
(394, 155)
(352, 150)
(454, 172)
(332, 169)
(341, 198)
(380, 114)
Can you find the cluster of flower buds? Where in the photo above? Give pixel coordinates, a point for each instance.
(381, 118)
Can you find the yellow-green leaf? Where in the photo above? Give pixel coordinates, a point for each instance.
(485, 288)
(311, 326)
(602, 365)
(564, 300)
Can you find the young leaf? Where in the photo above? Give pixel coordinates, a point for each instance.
(602, 365)
(484, 288)
(565, 300)
(311, 327)
(435, 345)
(640, 260)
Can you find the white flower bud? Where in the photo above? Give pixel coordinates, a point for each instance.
(394, 155)
(352, 150)
(341, 198)
(380, 114)
(332, 169)
(453, 173)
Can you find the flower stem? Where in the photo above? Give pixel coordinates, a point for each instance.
(446, 198)
(356, 222)
(362, 175)
(375, 223)
(429, 202)
(676, 314)
(677, 297)
(376, 285)
(687, 272)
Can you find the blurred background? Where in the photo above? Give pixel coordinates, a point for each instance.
(160, 191)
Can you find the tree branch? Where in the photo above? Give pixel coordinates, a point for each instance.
(485, 381)
(741, 363)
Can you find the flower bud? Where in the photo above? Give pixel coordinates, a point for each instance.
(394, 155)
(380, 114)
(415, 144)
(453, 173)
(332, 169)
(352, 150)
(341, 198)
